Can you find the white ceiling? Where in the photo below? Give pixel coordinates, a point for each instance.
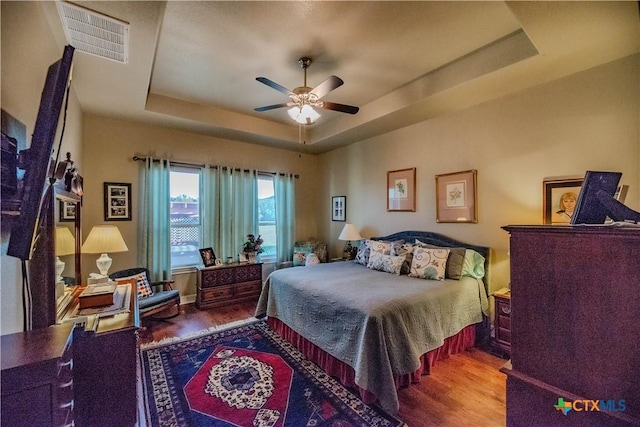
(193, 64)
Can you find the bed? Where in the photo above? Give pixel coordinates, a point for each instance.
(375, 330)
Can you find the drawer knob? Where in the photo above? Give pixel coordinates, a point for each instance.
(505, 309)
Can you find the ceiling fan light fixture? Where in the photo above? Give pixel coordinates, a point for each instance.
(304, 115)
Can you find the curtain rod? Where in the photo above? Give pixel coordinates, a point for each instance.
(144, 159)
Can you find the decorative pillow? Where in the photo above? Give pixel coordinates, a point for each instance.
(362, 256)
(142, 283)
(380, 246)
(386, 263)
(317, 247)
(429, 263)
(300, 255)
(454, 262)
(406, 250)
(473, 264)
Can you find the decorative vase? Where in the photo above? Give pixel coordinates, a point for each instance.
(253, 257)
(312, 259)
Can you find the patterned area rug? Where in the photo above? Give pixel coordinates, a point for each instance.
(245, 376)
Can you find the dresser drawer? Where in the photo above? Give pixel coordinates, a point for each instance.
(503, 336)
(248, 288)
(503, 322)
(248, 272)
(217, 293)
(504, 308)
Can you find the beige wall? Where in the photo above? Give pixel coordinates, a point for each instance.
(110, 144)
(585, 121)
(588, 121)
(27, 52)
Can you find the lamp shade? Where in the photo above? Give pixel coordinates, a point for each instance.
(64, 241)
(349, 232)
(104, 239)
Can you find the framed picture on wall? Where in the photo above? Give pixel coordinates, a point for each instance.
(559, 198)
(456, 197)
(339, 208)
(117, 201)
(67, 211)
(401, 190)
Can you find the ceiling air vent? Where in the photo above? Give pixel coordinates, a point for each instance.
(94, 33)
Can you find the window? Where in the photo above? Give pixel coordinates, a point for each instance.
(185, 225)
(267, 215)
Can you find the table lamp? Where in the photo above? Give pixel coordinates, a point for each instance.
(349, 233)
(65, 244)
(103, 239)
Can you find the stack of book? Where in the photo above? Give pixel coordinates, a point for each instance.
(97, 295)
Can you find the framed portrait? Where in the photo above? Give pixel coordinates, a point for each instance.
(208, 257)
(117, 201)
(401, 190)
(560, 196)
(456, 197)
(67, 211)
(339, 208)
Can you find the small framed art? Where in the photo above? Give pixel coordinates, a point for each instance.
(208, 257)
(339, 208)
(401, 190)
(560, 196)
(456, 197)
(117, 201)
(67, 211)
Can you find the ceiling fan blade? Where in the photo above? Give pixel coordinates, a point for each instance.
(350, 109)
(274, 85)
(329, 84)
(272, 107)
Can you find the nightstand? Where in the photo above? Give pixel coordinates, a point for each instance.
(502, 322)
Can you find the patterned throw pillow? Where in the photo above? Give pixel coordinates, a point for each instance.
(386, 263)
(300, 255)
(454, 262)
(362, 256)
(429, 263)
(406, 250)
(380, 246)
(142, 283)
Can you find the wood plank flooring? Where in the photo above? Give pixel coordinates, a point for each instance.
(466, 389)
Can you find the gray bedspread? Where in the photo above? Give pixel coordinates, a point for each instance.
(377, 323)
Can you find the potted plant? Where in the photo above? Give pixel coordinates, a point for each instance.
(253, 247)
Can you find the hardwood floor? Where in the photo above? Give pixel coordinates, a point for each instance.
(466, 389)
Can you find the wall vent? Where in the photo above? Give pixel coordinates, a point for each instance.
(94, 33)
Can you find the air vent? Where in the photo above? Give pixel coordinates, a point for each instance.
(94, 33)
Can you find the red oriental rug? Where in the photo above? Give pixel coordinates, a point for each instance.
(245, 376)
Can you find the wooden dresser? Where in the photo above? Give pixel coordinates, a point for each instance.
(227, 284)
(575, 326)
(37, 377)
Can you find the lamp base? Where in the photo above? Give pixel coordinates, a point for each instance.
(104, 264)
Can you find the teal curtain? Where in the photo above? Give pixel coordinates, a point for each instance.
(154, 219)
(284, 188)
(230, 209)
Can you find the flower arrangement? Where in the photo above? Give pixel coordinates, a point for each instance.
(253, 244)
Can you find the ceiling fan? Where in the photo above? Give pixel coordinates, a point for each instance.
(304, 99)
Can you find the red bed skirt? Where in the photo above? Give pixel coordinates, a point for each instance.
(463, 340)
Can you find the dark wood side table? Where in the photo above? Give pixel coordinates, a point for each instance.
(502, 322)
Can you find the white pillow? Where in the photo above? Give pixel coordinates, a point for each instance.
(429, 263)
